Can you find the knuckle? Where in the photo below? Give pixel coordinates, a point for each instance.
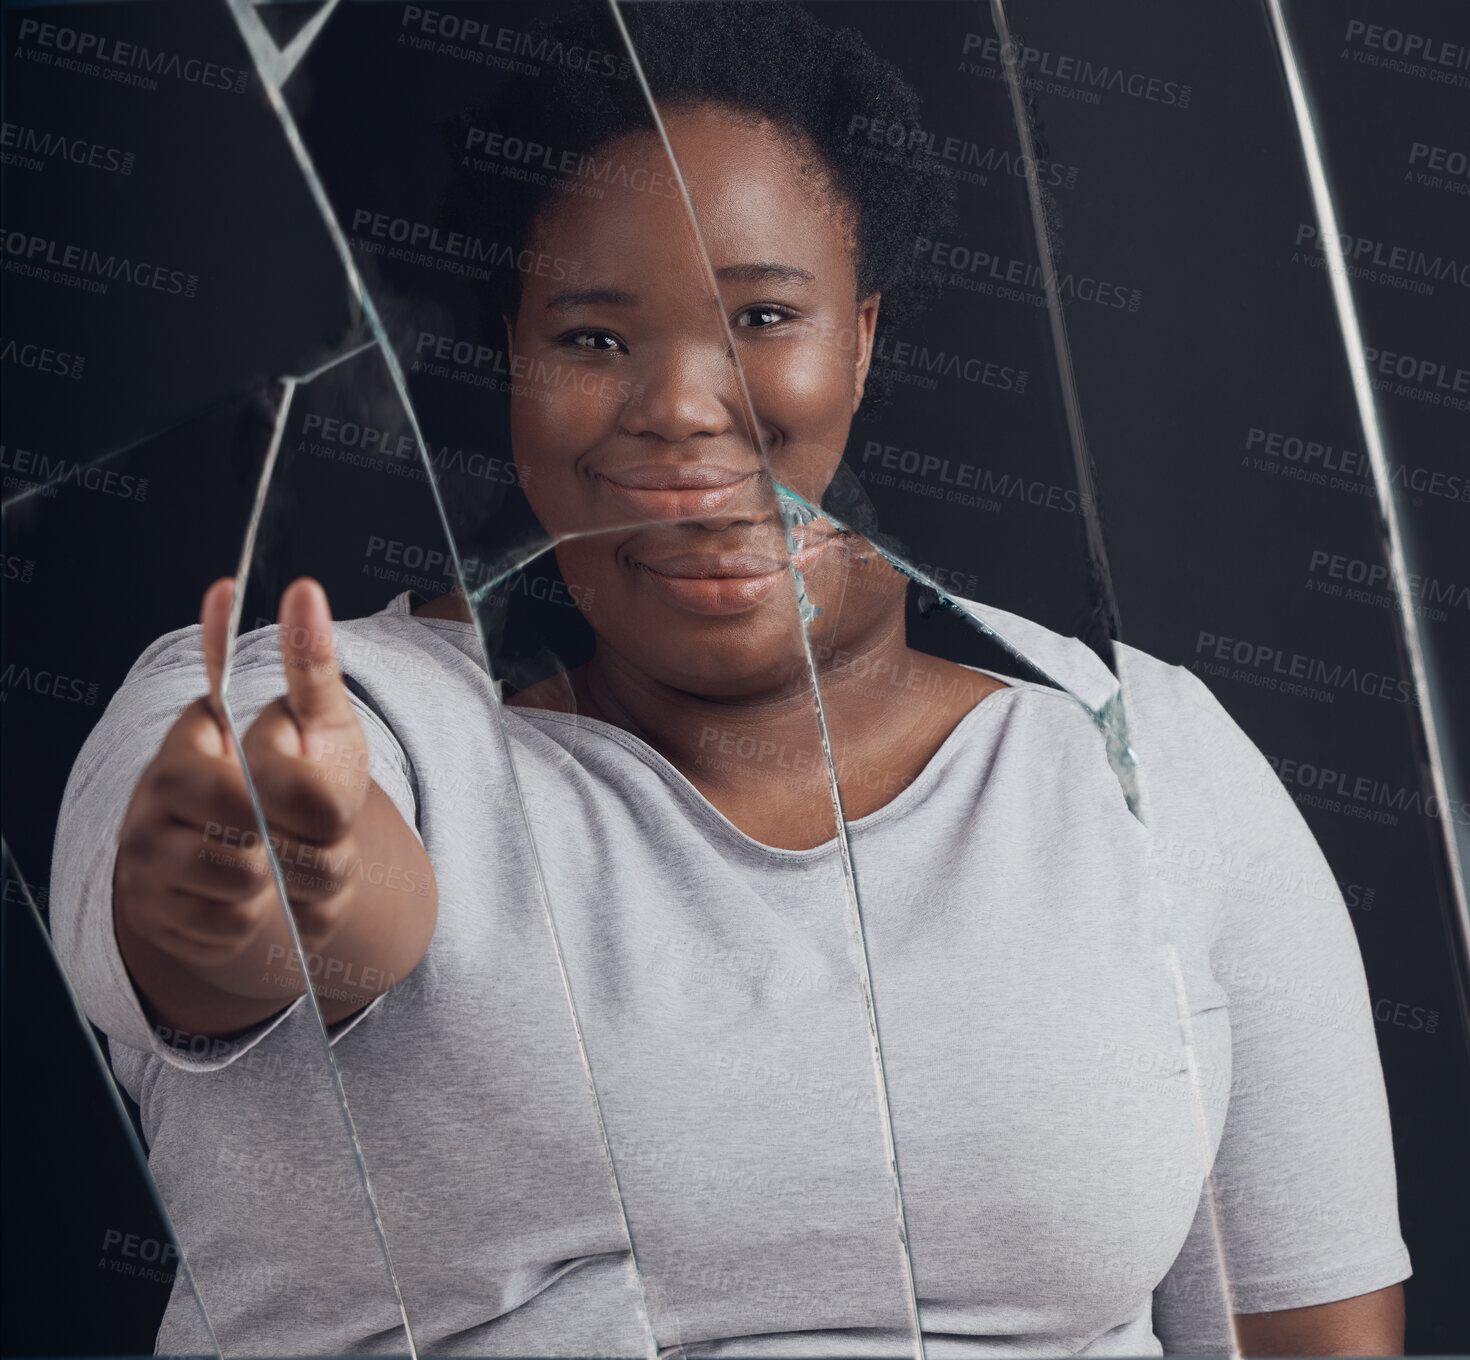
(334, 817)
(139, 840)
(319, 920)
(248, 915)
(130, 884)
(168, 779)
(323, 815)
(231, 871)
(259, 738)
(308, 883)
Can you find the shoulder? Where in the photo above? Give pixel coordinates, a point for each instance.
(1190, 749)
(1194, 761)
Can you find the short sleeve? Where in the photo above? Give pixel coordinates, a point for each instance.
(166, 679)
(1305, 1202)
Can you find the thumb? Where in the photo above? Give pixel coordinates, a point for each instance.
(214, 622)
(315, 693)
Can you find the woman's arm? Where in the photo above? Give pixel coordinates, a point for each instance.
(195, 910)
(1371, 1324)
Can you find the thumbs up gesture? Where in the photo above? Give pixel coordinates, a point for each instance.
(196, 909)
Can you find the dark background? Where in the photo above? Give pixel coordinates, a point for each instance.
(1189, 206)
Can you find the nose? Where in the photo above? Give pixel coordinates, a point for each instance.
(686, 389)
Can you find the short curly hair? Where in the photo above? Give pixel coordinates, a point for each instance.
(578, 92)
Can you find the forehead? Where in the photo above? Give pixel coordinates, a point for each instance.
(760, 196)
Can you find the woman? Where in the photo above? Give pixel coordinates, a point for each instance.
(1073, 1026)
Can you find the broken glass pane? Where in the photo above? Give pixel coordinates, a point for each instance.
(1084, 902)
(1245, 537)
(98, 1241)
(156, 229)
(148, 798)
(539, 617)
(908, 728)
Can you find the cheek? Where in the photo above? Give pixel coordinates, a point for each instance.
(804, 385)
(550, 429)
(603, 591)
(805, 391)
(557, 421)
(584, 566)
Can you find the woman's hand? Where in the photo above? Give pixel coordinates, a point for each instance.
(195, 906)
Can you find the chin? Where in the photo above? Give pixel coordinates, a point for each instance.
(725, 661)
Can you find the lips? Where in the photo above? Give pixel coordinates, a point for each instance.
(664, 491)
(715, 594)
(728, 582)
(811, 540)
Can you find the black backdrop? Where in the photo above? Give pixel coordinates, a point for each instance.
(1240, 522)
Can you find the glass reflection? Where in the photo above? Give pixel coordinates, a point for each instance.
(742, 918)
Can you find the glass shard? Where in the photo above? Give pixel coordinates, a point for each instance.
(729, 882)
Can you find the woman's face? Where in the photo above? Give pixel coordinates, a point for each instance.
(628, 420)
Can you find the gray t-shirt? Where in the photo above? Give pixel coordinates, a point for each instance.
(1078, 1012)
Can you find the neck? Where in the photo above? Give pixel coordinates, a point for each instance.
(758, 756)
(735, 748)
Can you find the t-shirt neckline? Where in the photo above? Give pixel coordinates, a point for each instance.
(688, 792)
(685, 789)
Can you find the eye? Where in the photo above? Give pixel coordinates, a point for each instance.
(594, 342)
(762, 315)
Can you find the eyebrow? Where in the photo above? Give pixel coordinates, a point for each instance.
(765, 272)
(591, 297)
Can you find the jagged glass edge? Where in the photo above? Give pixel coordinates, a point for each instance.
(806, 612)
(261, 47)
(1426, 733)
(130, 1133)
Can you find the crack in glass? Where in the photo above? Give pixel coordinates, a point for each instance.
(263, 827)
(794, 513)
(137, 1151)
(273, 70)
(1386, 495)
(639, 1072)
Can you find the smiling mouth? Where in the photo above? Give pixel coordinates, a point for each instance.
(660, 491)
(729, 583)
